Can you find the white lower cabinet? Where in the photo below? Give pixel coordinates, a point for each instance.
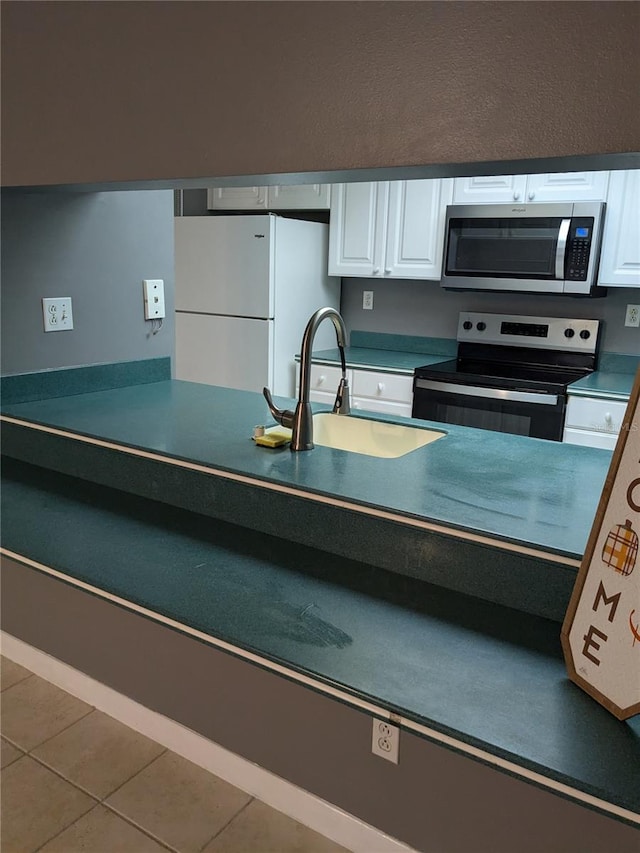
(593, 422)
(324, 383)
(371, 391)
(388, 393)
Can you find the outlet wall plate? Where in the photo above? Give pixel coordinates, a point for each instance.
(385, 740)
(632, 317)
(153, 291)
(57, 314)
(367, 300)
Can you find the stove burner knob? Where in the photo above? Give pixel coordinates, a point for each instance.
(569, 333)
(481, 326)
(467, 325)
(585, 334)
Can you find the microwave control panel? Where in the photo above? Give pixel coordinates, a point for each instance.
(579, 248)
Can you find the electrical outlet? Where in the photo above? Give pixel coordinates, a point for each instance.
(385, 741)
(57, 314)
(153, 290)
(367, 300)
(632, 317)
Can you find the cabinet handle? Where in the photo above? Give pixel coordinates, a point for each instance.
(380, 387)
(321, 379)
(516, 196)
(387, 270)
(608, 419)
(532, 195)
(376, 270)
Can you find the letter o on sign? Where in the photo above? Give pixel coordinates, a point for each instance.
(633, 485)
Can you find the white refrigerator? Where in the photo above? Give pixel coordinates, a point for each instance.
(245, 287)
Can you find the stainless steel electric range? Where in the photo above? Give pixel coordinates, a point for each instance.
(511, 373)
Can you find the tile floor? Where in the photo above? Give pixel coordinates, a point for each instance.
(74, 779)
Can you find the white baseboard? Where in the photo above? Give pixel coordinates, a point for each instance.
(296, 803)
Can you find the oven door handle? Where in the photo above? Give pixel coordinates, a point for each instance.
(490, 393)
(561, 247)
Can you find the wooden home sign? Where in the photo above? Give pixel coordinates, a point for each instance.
(601, 630)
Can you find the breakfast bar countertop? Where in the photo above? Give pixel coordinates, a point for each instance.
(528, 491)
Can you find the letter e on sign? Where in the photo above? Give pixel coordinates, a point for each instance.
(601, 629)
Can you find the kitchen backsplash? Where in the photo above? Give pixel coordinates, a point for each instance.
(423, 308)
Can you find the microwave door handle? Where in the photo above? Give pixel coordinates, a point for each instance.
(561, 248)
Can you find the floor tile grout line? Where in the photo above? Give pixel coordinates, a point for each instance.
(15, 683)
(137, 773)
(99, 799)
(228, 823)
(46, 740)
(128, 819)
(122, 817)
(75, 820)
(57, 773)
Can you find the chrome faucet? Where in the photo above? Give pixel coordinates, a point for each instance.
(301, 421)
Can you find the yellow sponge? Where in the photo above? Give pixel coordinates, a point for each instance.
(274, 437)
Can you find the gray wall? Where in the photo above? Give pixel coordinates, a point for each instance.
(95, 248)
(141, 91)
(424, 308)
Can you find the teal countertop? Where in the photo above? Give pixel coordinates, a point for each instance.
(476, 672)
(521, 490)
(604, 384)
(391, 361)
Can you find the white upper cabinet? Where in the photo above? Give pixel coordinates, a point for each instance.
(492, 189)
(307, 197)
(620, 259)
(302, 197)
(567, 186)
(552, 186)
(357, 225)
(391, 229)
(237, 198)
(415, 228)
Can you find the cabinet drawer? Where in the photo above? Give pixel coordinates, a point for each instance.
(602, 416)
(382, 386)
(384, 407)
(324, 378)
(586, 438)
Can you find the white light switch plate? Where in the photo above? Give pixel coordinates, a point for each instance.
(153, 289)
(57, 314)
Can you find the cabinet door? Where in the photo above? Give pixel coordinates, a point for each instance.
(389, 393)
(620, 261)
(324, 383)
(237, 198)
(415, 228)
(492, 189)
(567, 186)
(589, 439)
(307, 197)
(356, 228)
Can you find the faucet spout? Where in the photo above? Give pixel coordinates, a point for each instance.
(301, 421)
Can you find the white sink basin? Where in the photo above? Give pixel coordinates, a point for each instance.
(372, 438)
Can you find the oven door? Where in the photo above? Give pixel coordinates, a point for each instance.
(521, 412)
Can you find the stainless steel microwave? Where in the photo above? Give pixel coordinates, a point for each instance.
(537, 248)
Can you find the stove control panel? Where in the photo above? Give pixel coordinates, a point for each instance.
(558, 333)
